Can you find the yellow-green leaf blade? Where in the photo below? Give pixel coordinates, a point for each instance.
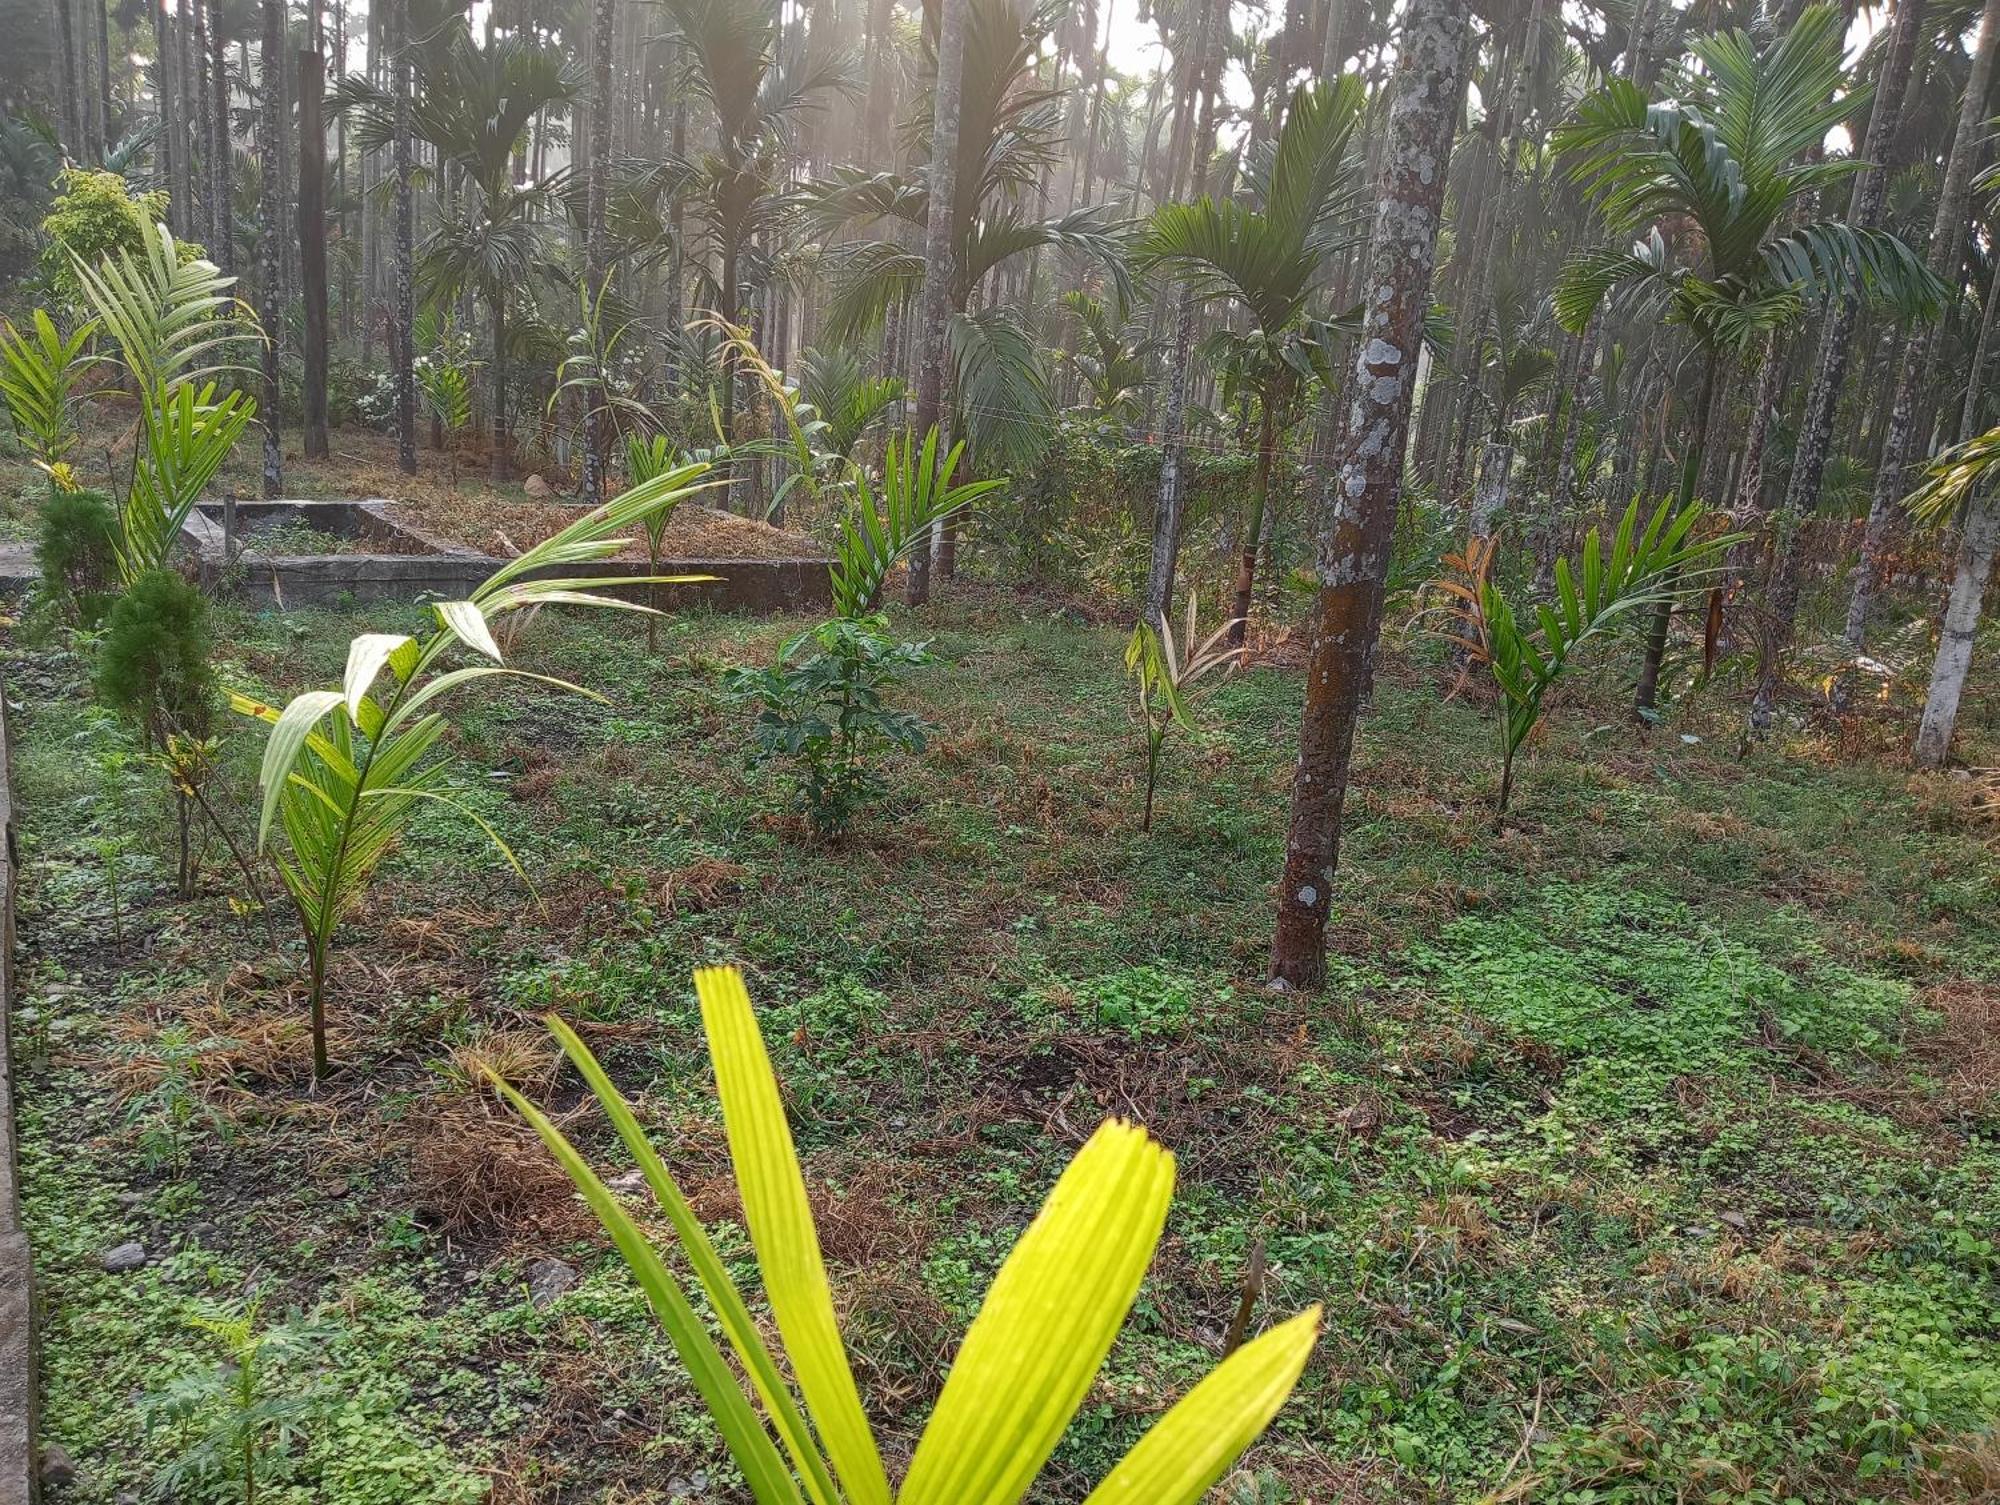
(737, 1323)
(744, 1434)
(781, 1229)
(1207, 1430)
(1030, 1356)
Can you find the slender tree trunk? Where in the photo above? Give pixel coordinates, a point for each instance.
(1359, 512)
(183, 103)
(69, 97)
(1562, 499)
(1647, 696)
(1489, 490)
(402, 333)
(1946, 247)
(881, 98)
(312, 247)
(1253, 525)
(597, 239)
(1747, 514)
(163, 95)
(100, 22)
(1976, 547)
(1167, 510)
(1809, 456)
(222, 149)
(940, 273)
(1982, 356)
(501, 466)
(269, 234)
(200, 130)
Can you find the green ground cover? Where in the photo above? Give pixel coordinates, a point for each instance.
(1643, 1152)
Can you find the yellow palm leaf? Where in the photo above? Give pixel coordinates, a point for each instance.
(1208, 1429)
(1030, 1356)
(781, 1228)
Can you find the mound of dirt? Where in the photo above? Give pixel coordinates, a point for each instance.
(505, 528)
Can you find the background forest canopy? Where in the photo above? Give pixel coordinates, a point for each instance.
(1732, 265)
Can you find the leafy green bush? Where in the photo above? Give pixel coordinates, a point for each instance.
(824, 712)
(153, 664)
(78, 549)
(153, 667)
(95, 215)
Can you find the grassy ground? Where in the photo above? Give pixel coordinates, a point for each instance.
(1644, 1151)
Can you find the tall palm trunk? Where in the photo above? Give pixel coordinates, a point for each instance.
(1982, 354)
(1253, 525)
(1646, 698)
(1864, 208)
(730, 296)
(68, 96)
(183, 167)
(221, 169)
(1947, 243)
(1167, 510)
(597, 240)
(402, 332)
(1976, 547)
(100, 21)
(270, 299)
(1815, 441)
(1360, 511)
(312, 242)
(501, 466)
(940, 273)
(168, 144)
(200, 132)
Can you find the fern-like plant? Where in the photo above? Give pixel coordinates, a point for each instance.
(446, 383)
(1650, 567)
(1026, 1365)
(916, 494)
(39, 368)
(171, 317)
(1166, 673)
(345, 770)
(647, 460)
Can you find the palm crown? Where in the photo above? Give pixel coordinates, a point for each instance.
(1009, 133)
(1728, 160)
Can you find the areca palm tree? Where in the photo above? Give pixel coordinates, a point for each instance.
(1268, 257)
(472, 105)
(1010, 134)
(1707, 179)
(1112, 363)
(757, 85)
(1510, 363)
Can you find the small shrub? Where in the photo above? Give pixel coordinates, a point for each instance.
(95, 215)
(824, 713)
(153, 665)
(78, 549)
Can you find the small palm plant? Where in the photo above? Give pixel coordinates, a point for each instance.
(446, 382)
(647, 460)
(170, 314)
(345, 770)
(915, 496)
(39, 368)
(1646, 569)
(1166, 673)
(1027, 1362)
(597, 351)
